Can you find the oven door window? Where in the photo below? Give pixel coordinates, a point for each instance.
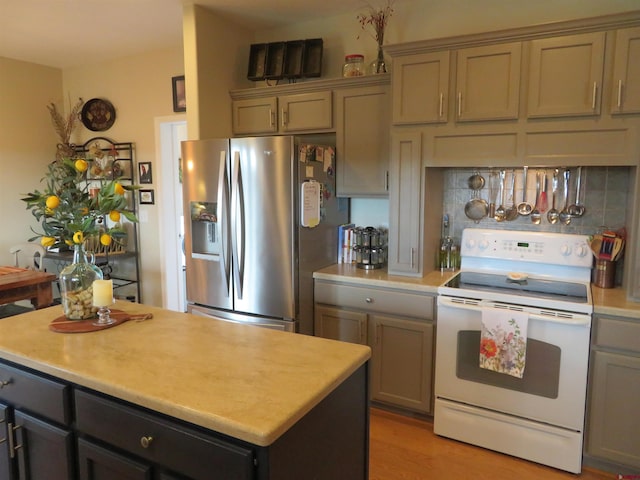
(541, 375)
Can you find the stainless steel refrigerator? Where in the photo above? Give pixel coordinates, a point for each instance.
(260, 216)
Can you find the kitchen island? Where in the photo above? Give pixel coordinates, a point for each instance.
(251, 402)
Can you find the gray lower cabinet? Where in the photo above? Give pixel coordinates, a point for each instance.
(398, 325)
(614, 393)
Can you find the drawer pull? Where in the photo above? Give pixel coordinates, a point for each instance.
(368, 300)
(4, 383)
(145, 442)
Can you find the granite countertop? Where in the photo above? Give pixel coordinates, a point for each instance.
(244, 381)
(606, 301)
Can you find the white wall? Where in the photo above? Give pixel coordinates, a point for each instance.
(27, 143)
(140, 89)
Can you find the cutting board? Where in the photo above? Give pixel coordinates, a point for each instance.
(63, 325)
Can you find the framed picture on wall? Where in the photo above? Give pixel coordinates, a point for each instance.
(179, 98)
(146, 197)
(144, 172)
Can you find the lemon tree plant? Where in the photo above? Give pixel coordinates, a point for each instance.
(68, 214)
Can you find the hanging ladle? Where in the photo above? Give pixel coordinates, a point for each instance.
(500, 211)
(536, 217)
(552, 215)
(524, 208)
(564, 216)
(577, 209)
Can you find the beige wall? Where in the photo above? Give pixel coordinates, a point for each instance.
(27, 143)
(140, 89)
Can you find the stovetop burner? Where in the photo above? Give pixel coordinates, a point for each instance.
(531, 287)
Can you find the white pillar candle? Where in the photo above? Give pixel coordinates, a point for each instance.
(102, 293)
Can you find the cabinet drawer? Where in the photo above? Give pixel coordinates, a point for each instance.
(36, 394)
(617, 333)
(170, 444)
(375, 299)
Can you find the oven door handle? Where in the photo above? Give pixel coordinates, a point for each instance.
(563, 318)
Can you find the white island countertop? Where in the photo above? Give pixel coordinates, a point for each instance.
(247, 382)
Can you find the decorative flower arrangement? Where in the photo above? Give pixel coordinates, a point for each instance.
(69, 215)
(378, 19)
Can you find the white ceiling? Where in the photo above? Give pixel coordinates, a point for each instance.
(65, 33)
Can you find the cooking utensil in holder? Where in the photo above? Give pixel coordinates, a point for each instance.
(370, 247)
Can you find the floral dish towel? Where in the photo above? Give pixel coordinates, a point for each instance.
(503, 341)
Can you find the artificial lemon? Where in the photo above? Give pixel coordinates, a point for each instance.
(114, 215)
(78, 237)
(47, 241)
(105, 239)
(52, 201)
(81, 165)
(117, 188)
(69, 242)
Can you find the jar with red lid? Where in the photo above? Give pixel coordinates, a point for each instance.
(353, 66)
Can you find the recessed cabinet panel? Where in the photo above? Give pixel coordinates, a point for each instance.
(420, 88)
(626, 72)
(307, 111)
(339, 324)
(255, 116)
(488, 82)
(565, 75)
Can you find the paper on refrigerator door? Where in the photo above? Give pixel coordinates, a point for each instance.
(310, 212)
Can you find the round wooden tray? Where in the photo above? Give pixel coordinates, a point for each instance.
(63, 325)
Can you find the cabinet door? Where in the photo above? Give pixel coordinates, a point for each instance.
(420, 88)
(626, 72)
(339, 324)
(97, 463)
(402, 353)
(255, 116)
(405, 212)
(565, 75)
(5, 459)
(362, 141)
(306, 112)
(43, 450)
(613, 421)
(488, 82)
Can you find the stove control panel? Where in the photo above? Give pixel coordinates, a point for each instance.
(526, 246)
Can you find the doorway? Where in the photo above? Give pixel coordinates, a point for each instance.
(170, 131)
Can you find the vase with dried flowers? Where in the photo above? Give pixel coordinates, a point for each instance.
(64, 127)
(377, 18)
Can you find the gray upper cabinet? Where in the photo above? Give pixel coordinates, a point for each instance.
(304, 112)
(420, 88)
(488, 82)
(362, 140)
(626, 72)
(565, 75)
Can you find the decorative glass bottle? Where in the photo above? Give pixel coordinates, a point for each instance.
(379, 65)
(76, 285)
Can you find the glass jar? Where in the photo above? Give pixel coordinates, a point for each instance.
(353, 66)
(76, 285)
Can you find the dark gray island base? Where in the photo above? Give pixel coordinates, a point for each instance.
(51, 429)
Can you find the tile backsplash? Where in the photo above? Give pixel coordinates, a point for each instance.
(604, 194)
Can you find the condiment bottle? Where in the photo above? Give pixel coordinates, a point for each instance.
(353, 66)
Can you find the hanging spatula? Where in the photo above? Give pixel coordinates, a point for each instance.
(544, 204)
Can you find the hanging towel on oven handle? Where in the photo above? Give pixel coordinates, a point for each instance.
(503, 341)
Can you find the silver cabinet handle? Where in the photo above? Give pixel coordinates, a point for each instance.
(594, 95)
(459, 104)
(441, 106)
(285, 120)
(412, 256)
(12, 443)
(368, 300)
(145, 441)
(4, 383)
(272, 118)
(619, 93)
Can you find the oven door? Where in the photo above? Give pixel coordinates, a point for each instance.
(553, 387)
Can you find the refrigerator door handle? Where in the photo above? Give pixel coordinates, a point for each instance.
(223, 213)
(238, 226)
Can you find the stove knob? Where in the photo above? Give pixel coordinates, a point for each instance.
(565, 250)
(471, 243)
(582, 250)
(484, 244)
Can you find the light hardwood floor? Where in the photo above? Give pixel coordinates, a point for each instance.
(405, 448)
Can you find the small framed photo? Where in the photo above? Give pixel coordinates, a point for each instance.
(146, 197)
(144, 172)
(179, 97)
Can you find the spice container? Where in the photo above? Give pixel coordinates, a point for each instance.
(370, 249)
(353, 66)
